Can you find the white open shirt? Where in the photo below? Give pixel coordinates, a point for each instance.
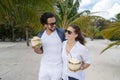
(78, 51)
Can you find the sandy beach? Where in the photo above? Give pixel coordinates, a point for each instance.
(19, 62)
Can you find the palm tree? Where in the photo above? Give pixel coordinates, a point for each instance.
(89, 24)
(23, 13)
(83, 22)
(67, 12)
(112, 31)
(91, 31)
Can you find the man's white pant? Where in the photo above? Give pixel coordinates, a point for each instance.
(50, 73)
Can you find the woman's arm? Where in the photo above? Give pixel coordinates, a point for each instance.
(84, 66)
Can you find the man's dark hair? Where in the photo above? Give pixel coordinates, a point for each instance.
(45, 16)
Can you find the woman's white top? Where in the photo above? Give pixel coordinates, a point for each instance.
(78, 51)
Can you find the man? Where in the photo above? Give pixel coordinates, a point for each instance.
(52, 38)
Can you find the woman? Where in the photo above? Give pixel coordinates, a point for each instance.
(74, 47)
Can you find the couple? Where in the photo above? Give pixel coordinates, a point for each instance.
(57, 47)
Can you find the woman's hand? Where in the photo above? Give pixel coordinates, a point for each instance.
(84, 66)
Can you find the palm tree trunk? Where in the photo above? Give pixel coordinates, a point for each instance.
(13, 29)
(27, 36)
(13, 35)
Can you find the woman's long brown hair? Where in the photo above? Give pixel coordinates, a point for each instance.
(80, 36)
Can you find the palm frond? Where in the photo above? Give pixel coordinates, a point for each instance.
(116, 43)
(75, 17)
(110, 32)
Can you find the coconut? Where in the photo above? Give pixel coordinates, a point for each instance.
(36, 41)
(74, 64)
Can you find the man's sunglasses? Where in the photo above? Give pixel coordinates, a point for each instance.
(52, 24)
(68, 31)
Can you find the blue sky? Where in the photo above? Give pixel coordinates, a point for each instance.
(104, 8)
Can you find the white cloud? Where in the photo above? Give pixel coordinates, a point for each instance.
(85, 2)
(105, 8)
(114, 10)
(102, 5)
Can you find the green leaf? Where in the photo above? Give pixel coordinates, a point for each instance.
(116, 43)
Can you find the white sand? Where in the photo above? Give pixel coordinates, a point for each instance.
(19, 62)
(105, 66)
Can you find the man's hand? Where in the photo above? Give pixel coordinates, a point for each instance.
(37, 50)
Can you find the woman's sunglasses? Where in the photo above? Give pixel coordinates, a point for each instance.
(68, 31)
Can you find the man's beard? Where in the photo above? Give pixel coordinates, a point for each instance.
(52, 30)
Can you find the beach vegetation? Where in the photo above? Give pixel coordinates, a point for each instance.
(112, 32)
(18, 17)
